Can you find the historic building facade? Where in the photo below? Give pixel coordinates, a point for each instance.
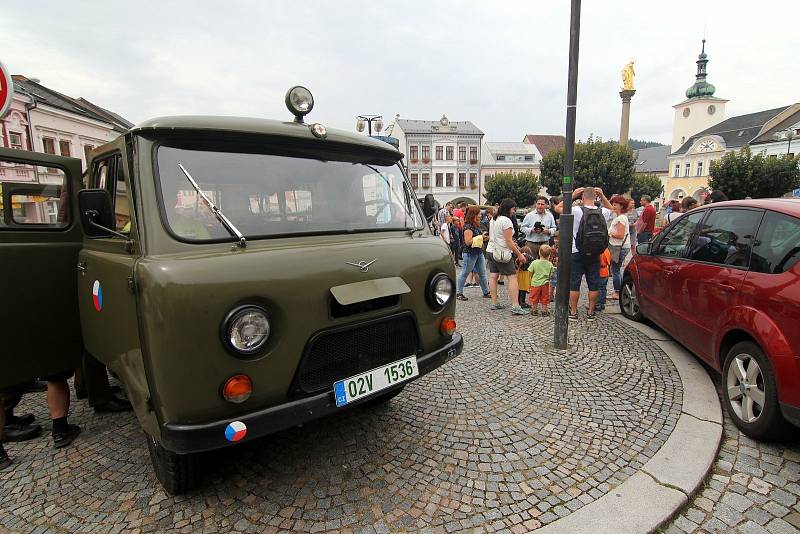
(442, 157)
(508, 158)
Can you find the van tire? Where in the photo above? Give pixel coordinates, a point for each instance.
(176, 472)
(770, 424)
(383, 398)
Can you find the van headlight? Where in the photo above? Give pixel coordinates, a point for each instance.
(440, 291)
(246, 329)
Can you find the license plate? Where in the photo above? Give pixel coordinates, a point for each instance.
(360, 386)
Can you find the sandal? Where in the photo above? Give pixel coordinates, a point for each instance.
(461, 297)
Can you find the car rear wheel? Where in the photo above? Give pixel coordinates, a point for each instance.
(176, 472)
(751, 394)
(628, 301)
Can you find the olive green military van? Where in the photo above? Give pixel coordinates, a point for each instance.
(241, 276)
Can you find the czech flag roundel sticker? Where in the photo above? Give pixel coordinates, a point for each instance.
(236, 431)
(97, 295)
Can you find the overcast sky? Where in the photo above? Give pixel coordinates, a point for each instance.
(500, 64)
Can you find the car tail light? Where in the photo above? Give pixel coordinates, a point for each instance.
(447, 326)
(237, 388)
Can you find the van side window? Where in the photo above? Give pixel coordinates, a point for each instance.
(777, 246)
(726, 237)
(33, 196)
(673, 245)
(109, 175)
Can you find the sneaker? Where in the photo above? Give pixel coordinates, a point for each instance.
(572, 317)
(113, 406)
(460, 296)
(545, 313)
(535, 313)
(487, 295)
(591, 316)
(517, 310)
(5, 461)
(25, 419)
(497, 306)
(62, 439)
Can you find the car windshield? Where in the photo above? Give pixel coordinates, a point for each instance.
(265, 195)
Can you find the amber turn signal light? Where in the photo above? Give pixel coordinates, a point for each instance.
(237, 388)
(448, 326)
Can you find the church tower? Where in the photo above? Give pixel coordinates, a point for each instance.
(700, 110)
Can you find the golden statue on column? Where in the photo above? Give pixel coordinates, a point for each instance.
(628, 75)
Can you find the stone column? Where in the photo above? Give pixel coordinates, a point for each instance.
(625, 95)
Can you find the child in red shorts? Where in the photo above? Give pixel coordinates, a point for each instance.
(541, 270)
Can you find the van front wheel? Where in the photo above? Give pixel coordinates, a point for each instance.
(176, 472)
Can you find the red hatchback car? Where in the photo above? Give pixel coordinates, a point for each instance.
(724, 281)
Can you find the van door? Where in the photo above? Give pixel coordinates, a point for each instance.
(40, 237)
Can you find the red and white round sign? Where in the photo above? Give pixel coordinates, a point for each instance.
(6, 89)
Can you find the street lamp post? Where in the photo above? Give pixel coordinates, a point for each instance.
(566, 220)
(789, 136)
(365, 121)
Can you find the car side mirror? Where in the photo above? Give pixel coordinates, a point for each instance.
(429, 206)
(643, 248)
(97, 213)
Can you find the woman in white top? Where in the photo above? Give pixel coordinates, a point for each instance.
(501, 243)
(619, 238)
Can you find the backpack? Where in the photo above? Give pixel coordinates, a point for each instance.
(592, 238)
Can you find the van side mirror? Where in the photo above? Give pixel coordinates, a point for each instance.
(643, 248)
(97, 213)
(429, 206)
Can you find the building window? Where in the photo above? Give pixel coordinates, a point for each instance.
(64, 148)
(699, 168)
(501, 158)
(449, 154)
(688, 168)
(49, 145)
(426, 154)
(462, 180)
(426, 180)
(439, 153)
(473, 180)
(414, 180)
(449, 179)
(677, 172)
(528, 158)
(462, 153)
(15, 140)
(414, 154)
(439, 179)
(473, 155)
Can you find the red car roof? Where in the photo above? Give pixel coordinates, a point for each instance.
(789, 206)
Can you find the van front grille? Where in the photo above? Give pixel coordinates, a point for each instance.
(338, 354)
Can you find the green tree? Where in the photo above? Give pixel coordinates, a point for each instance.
(523, 187)
(597, 163)
(646, 184)
(741, 174)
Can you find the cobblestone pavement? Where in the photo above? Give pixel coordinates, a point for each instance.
(754, 487)
(509, 436)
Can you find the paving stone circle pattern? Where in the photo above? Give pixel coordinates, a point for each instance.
(510, 435)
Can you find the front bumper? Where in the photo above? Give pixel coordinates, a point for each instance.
(189, 438)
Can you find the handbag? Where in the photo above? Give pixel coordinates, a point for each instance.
(616, 250)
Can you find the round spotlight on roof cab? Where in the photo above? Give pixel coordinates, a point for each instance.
(300, 102)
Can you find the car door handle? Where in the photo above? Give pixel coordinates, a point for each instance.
(728, 288)
(82, 267)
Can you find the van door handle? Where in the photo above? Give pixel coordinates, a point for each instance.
(728, 288)
(82, 267)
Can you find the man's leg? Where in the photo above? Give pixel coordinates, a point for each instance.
(575, 278)
(17, 428)
(573, 302)
(58, 404)
(592, 271)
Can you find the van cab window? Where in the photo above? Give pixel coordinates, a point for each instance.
(266, 195)
(109, 175)
(33, 196)
(673, 245)
(725, 237)
(777, 247)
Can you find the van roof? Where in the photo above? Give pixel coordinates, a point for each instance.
(249, 125)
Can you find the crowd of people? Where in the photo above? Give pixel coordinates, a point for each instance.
(524, 257)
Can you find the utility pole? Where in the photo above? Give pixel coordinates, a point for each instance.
(566, 220)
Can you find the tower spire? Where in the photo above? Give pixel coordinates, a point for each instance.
(701, 87)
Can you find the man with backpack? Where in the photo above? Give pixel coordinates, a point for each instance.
(589, 241)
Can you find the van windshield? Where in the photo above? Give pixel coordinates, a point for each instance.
(265, 195)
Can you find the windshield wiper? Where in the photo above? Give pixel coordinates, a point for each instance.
(216, 211)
